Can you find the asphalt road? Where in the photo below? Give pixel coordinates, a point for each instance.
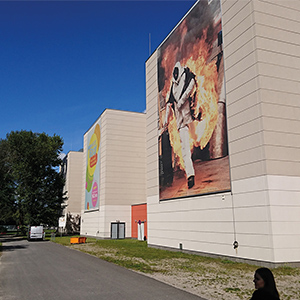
(45, 270)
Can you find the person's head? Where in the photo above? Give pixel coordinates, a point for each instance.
(177, 72)
(263, 278)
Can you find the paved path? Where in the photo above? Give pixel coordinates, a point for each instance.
(45, 270)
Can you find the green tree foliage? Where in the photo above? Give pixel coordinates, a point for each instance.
(7, 187)
(33, 159)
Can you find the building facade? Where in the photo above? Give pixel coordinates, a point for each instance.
(244, 135)
(114, 173)
(73, 170)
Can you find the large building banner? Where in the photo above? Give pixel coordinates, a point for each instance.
(92, 168)
(193, 148)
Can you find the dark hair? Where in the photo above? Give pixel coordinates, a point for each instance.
(269, 280)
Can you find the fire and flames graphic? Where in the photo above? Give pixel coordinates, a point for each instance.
(195, 44)
(205, 105)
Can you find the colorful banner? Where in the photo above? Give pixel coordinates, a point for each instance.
(92, 169)
(193, 148)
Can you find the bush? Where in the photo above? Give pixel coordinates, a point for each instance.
(3, 229)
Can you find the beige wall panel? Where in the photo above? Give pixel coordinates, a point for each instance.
(152, 105)
(279, 97)
(127, 178)
(286, 126)
(279, 34)
(195, 236)
(152, 190)
(114, 152)
(286, 228)
(255, 240)
(247, 228)
(119, 147)
(289, 58)
(226, 4)
(152, 184)
(152, 115)
(239, 23)
(151, 87)
(282, 254)
(151, 127)
(288, 184)
(290, 4)
(136, 164)
(243, 104)
(150, 95)
(202, 204)
(151, 72)
(152, 148)
(252, 114)
(283, 213)
(246, 142)
(288, 168)
(152, 158)
(245, 129)
(279, 84)
(230, 8)
(151, 112)
(233, 46)
(153, 151)
(123, 131)
(277, 21)
(248, 170)
(258, 214)
(119, 196)
(240, 61)
(137, 160)
(151, 108)
(283, 72)
(280, 138)
(242, 91)
(286, 246)
(285, 209)
(205, 227)
(152, 133)
(73, 184)
(125, 188)
(280, 112)
(282, 153)
(242, 75)
(256, 253)
(248, 156)
(239, 48)
(153, 171)
(276, 8)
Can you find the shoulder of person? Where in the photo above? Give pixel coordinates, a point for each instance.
(263, 294)
(189, 73)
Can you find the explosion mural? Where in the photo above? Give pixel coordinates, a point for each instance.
(193, 146)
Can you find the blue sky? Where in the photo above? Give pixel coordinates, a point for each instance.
(64, 62)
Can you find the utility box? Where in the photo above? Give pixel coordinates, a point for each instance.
(78, 240)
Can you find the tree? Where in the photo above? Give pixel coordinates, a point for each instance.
(33, 160)
(7, 196)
